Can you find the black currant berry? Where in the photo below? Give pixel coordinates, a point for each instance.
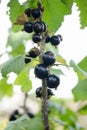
(14, 115)
(36, 38)
(55, 40)
(47, 39)
(36, 13)
(39, 27)
(34, 52)
(31, 115)
(53, 81)
(27, 60)
(48, 58)
(39, 92)
(28, 27)
(41, 71)
(28, 12)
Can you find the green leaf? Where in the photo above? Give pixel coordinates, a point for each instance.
(5, 88)
(24, 123)
(83, 110)
(24, 81)
(15, 64)
(82, 4)
(54, 12)
(80, 73)
(15, 41)
(57, 72)
(15, 12)
(83, 64)
(80, 90)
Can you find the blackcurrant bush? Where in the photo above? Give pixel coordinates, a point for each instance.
(47, 39)
(28, 27)
(53, 81)
(27, 60)
(39, 27)
(41, 71)
(14, 115)
(55, 40)
(28, 12)
(36, 13)
(34, 52)
(36, 38)
(48, 58)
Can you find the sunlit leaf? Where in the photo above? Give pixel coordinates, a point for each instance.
(24, 81)
(82, 4)
(57, 72)
(6, 89)
(80, 73)
(83, 64)
(80, 90)
(83, 110)
(15, 64)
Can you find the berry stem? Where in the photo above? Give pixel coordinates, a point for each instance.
(44, 92)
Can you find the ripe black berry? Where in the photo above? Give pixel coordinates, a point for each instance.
(36, 13)
(36, 38)
(28, 12)
(31, 115)
(28, 27)
(48, 58)
(27, 60)
(47, 39)
(39, 27)
(39, 92)
(53, 81)
(41, 71)
(34, 52)
(14, 115)
(55, 40)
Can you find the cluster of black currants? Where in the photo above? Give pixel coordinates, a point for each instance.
(16, 114)
(42, 72)
(39, 28)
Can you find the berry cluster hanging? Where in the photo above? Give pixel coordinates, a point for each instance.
(40, 32)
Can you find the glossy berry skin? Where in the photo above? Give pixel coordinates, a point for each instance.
(41, 71)
(39, 27)
(27, 60)
(36, 13)
(28, 12)
(39, 92)
(48, 58)
(53, 81)
(55, 40)
(28, 27)
(36, 38)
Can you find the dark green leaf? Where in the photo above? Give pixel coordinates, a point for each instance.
(83, 64)
(80, 90)
(24, 81)
(80, 73)
(15, 64)
(82, 4)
